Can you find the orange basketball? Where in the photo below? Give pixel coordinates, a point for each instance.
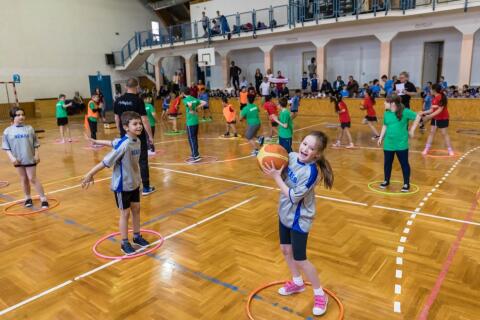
(273, 153)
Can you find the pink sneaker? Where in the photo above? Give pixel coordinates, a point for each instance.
(290, 288)
(451, 153)
(320, 305)
(425, 151)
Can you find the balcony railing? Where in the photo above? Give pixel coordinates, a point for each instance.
(293, 15)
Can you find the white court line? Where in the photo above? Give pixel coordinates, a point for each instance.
(256, 185)
(55, 191)
(428, 215)
(106, 265)
(190, 164)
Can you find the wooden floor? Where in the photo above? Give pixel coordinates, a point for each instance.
(385, 257)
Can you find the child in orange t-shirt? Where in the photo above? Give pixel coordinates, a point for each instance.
(173, 110)
(230, 117)
(243, 98)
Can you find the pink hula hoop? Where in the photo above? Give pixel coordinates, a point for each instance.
(142, 253)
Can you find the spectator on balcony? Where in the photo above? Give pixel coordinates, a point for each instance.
(235, 75)
(258, 80)
(205, 24)
(215, 28)
(338, 84)
(224, 25)
(352, 87)
(312, 67)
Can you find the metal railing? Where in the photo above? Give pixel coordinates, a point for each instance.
(296, 13)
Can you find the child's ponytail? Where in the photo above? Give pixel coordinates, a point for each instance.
(322, 162)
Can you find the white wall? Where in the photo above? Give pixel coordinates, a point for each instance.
(215, 79)
(407, 53)
(288, 59)
(172, 64)
(54, 45)
(359, 57)
(248, 60)
(475, 79)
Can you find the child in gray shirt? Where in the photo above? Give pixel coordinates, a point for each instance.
(125, 177)
(21, 144)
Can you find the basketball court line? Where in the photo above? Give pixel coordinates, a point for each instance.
(362, 204)
(110, 263)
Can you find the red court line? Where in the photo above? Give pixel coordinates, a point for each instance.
(448, 261)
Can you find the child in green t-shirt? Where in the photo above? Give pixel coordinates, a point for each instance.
(192, 105)
(250, 112)
(285, 130)
(62, 118)
(152, 117)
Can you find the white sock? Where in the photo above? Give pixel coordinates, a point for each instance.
(318, 292)
(298, 281)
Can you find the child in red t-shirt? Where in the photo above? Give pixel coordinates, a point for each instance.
(371, 117)
(344, 117)
(272, 112)
(440, 119)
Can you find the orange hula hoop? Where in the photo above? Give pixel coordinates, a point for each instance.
(29, 212)
(271, 284)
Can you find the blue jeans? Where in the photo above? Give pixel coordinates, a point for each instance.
(286, 143)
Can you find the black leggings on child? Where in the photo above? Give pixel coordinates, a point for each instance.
(402, 156)
(93, 129)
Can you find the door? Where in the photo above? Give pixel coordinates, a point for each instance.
(105, 86)
(432, 62)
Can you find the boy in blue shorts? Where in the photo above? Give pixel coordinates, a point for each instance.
(295, 103)
(126, 177)
(206, 109)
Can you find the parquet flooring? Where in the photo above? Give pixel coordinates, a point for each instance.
(206, 270)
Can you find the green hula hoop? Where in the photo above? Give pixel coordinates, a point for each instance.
(399, 193)
(171, 133)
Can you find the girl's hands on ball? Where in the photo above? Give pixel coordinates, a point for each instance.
(269, 170)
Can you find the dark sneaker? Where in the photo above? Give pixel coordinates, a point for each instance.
(141, 242)
(235, 135)
(384, 184)
(45, 204)
(197, 159)
(405, 188)
(147, 191)
(127, 248)
(226, 134)
(28, 203)
(261, 140)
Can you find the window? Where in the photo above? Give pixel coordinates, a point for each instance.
(156, 30)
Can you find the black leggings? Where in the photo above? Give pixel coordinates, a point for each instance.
(93, 129)
(193, 140)
(402, 156)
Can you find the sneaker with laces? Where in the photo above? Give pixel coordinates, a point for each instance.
(28, 203)
(261, 140)
(197, 159)
(405, 188)
(290, 288)
(384, 184)
(45, 204)
(141, 241)
(320, 305)
(127, 248)
(147, 190)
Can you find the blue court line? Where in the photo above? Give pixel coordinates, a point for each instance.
(90, 230)
(225, 285)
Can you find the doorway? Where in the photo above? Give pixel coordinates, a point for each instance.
(432, 61)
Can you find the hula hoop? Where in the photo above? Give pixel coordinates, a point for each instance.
(29, 212)
(441, 156)
(204, 160)
(173, 133)
(94, 148)
(388, 193)
(472, 132)
(230, 137)
(4, 184)
(263, 287)
(141, 253)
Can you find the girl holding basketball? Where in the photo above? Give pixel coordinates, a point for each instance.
(440, 118)
(297, 210)
(21, 145)
(344, 118)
